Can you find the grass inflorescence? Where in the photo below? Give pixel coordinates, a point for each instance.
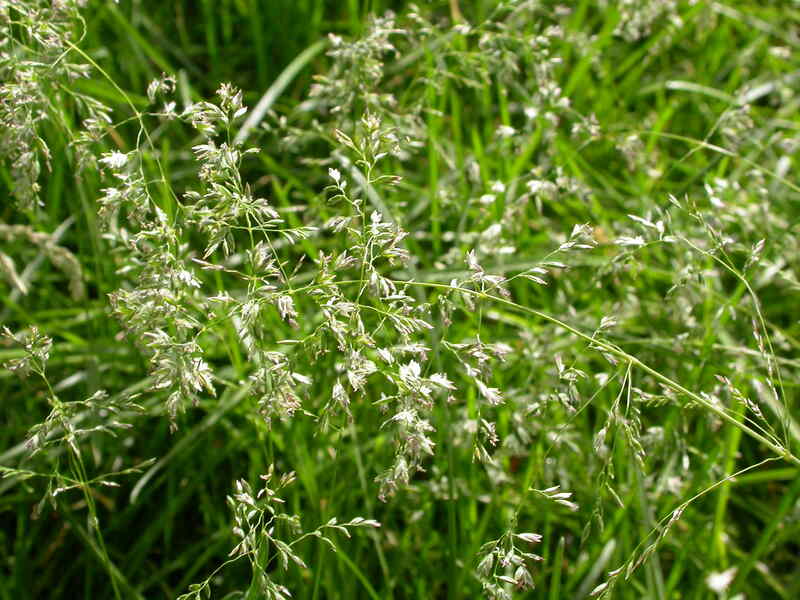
(384, 300)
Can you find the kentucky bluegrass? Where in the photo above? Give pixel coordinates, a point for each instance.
(384, 300)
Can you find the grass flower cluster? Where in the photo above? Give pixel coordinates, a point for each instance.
(464, 299)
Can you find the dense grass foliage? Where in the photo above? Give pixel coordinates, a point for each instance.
(374, 300)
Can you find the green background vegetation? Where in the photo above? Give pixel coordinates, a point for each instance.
(671, 89)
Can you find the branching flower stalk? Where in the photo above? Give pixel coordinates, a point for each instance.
(606, 347)
(37, 351)
(353, 288)
(259, 525)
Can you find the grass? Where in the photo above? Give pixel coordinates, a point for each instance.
(588, 333)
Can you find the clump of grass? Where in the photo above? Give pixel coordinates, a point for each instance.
(506, 285)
